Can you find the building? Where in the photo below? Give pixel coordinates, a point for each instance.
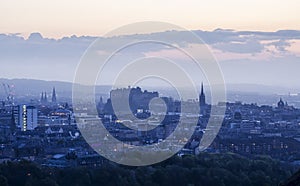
(137, 99)
(202, 102)
(44, 99)
(202, 97)
(280, 104)
(27, 117)
(100, 105)
(53, 95)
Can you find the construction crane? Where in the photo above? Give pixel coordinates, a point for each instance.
(8, 93)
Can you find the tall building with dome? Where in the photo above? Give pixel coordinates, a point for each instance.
(280, 104)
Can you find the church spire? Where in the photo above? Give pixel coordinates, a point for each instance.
(202, 96)
(53, 95)
(42, 97)
(45, 97)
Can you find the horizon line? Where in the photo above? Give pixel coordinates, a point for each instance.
(26, 36)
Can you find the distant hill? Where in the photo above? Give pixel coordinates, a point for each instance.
(33, 88)
(25, 86)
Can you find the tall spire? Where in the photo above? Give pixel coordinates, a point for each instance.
(45, 97)
(202, 96)
(53, 95)
(101, 104)
(42, 97)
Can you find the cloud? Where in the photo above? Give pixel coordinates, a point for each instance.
(14, 47)
(248, 46)
(38, 54)
(280, 45)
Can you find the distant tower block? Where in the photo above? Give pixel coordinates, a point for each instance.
(27, 117)
(53, 95)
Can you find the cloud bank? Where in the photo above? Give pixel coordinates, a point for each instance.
(271, 58)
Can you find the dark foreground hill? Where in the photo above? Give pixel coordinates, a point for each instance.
(204, 169)
(294, 180)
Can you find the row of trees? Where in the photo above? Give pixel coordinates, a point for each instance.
(204, 169)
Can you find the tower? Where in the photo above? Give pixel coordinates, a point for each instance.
(280, 104)
(100, 105)
(42, 97)
(27, 117)
(31, 117)
(53, 95)
(202, 97)
(45, 97)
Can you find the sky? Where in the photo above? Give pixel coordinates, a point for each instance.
(258, 41)
(245, 57)
(58, 18)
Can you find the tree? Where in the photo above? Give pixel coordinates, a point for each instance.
(3, 181)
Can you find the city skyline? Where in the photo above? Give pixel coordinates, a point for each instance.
(148, 92)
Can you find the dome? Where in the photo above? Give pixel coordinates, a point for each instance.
(280, 103)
